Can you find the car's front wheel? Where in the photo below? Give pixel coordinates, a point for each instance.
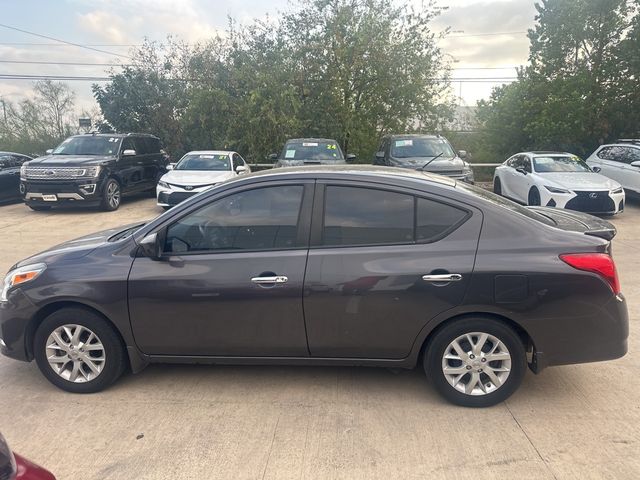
(534, 197)
(475, 362)
(497, 186)
(111, 195)
(78, 351)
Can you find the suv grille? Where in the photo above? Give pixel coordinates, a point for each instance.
(59, 173)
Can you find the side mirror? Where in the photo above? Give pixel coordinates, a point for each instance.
(241, 169)
(462, 153)
(171, 166)
(636, 164)
(380, 155)
(49, 151)
(273, 156)
(521, 170)
(151, 247)
(596, 169)
(351, 157)
(128, 153)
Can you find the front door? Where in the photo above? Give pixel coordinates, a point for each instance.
(230, 281)
(382, 264)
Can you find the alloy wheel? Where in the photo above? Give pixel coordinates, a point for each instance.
(113, 194)
(75, 353)
(476, 363)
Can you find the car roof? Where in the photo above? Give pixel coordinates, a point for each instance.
(346, 171)
(546, 152)
(414, 135)
(311, 140)
(210, 152)
(118, 135)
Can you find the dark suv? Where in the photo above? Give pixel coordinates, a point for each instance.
(93, 170)
(310, 151)
(430, 153)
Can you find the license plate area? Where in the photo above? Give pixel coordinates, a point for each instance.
(50, 198)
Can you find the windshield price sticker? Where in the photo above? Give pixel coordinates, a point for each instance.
(404, 143)
(207, 156)
(332, 147)
(290, 154)
(112, 139)
(310, 144)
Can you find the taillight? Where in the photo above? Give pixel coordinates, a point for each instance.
(599, 263)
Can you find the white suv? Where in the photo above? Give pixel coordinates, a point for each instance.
(619, 161)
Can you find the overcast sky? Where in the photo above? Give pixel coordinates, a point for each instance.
(490, 34)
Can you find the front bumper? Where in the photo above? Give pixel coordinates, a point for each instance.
(15, 319)
(595, 202)
(86, 191)
(170, 197)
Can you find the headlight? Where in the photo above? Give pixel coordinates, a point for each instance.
(467, 171)
(556, 190)
(163, 184)
(8, 467)
(617, 190)
(19, 276)
(23, 172)
(93, 172)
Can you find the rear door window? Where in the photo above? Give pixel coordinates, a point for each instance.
(366, 216)
(434, 219)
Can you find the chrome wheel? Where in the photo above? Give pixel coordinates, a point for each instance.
(75, 353)
(476, 363)
(113, 194)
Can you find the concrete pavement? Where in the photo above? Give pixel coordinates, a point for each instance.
(204, 422)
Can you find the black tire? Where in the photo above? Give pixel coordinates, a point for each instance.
(107, 193)
(39, 208)
(534, 197)
(434, 355)
(114, 353)
(497, 186)
(165, 208)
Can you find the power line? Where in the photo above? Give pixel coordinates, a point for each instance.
(30, 62)
(62, 41)
(31, 44)
(9, 76)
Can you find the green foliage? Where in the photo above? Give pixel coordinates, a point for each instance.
(581, 86)
(346, 69)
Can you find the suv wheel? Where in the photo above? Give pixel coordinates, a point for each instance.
(475, 362)
(111, 195)
(78, 351)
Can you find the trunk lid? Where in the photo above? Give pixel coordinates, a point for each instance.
(578, 222)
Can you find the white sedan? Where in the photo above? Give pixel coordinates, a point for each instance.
(196, 172)
(556, 179)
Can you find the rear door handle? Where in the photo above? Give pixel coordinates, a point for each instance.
(275, 279)
(442, 277)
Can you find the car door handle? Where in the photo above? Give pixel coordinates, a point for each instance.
(442, 277)
(274, 279)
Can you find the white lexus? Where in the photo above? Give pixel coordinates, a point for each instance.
(196, 172)
(556, 179)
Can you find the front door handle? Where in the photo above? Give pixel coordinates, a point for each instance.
(278, 279)
(442, 277)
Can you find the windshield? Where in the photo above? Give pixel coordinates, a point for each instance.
(89, 145)
(421, 147)
(312, 150)
(559, 164)
(204, 161)
(505, 203)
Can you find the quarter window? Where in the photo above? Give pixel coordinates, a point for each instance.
(260, 219)
(434, 219)
(364, 216)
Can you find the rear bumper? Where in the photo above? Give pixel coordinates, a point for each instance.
(601, 337)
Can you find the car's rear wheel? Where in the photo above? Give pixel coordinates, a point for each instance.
(497, 186)
(39, 208)
(111, 195)
(78, 351)
(475, 362)
(534, 197)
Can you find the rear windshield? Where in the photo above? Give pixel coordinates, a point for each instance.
(505, 203)
(312, 150)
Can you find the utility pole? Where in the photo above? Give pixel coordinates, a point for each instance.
(4, 110)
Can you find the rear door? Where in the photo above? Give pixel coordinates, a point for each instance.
(9, 178)
(373, 272)
(612, 163)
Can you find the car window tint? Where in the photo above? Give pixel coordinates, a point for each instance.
(127, 144)
(434, 219)
(605, 153)
(237, 161)
(364, 216)
(5, 162)
(260, 219)
(633, 154)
